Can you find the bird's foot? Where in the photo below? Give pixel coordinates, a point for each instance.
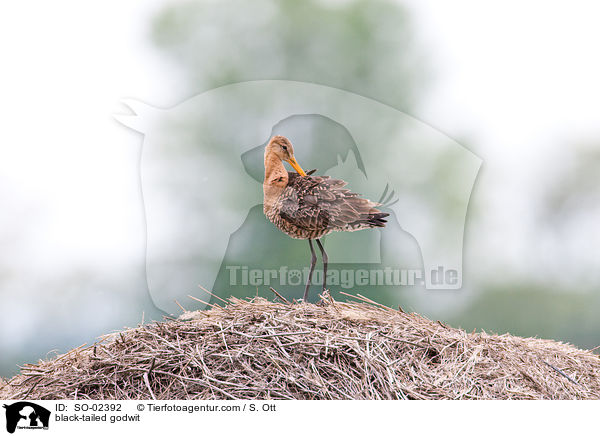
(325, 298)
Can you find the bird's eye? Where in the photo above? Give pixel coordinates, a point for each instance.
(284, 147)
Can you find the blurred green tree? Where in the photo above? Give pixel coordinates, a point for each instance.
(365, 47)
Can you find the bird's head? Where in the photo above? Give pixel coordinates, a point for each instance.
(281, 147)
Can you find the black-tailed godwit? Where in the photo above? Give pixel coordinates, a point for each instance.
(310, 207)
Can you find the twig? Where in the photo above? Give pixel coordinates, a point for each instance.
(180, 306)
(561, 372)
(210, 293)
(145, 377)
(225, 342)
(279, 295)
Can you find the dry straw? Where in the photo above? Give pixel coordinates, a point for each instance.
(259, 349)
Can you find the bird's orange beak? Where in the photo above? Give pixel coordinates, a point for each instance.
(292, 161)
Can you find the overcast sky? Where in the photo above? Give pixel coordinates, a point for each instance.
(515, 79)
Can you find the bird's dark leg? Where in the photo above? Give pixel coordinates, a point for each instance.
(313, 261)
(324, 256)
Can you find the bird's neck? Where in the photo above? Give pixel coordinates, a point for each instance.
(276, 179)
(275, 172)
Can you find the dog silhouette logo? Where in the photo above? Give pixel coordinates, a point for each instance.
(202, 166)
(26, 415)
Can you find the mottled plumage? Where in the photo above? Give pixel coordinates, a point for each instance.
(310, 207)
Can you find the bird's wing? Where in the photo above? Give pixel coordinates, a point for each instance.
(320, 202)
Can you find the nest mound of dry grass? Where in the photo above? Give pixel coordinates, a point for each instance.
(356, 350)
